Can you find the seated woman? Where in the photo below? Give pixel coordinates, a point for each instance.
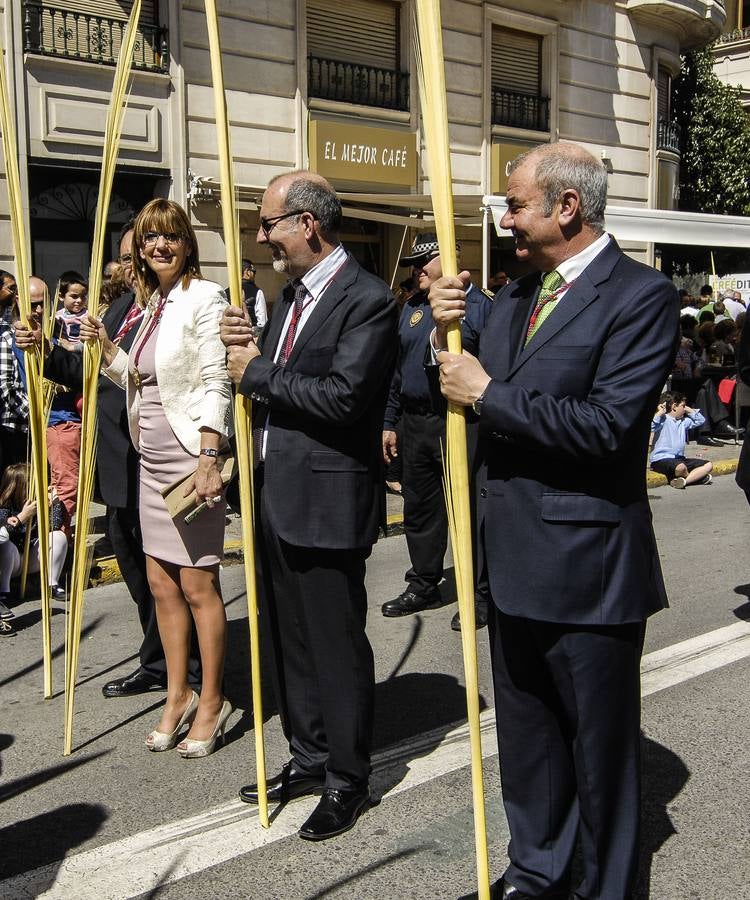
(178, 402)
(16, 514)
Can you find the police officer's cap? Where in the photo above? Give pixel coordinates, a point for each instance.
(424, 248)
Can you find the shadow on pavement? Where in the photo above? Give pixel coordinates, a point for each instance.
(743, 612)
(664, 776)
(48, 838)
(350, 880)
(92, 626)
(13, 788)
(237, 684)
(121, 724)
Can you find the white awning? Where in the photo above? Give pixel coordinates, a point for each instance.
(635, 224)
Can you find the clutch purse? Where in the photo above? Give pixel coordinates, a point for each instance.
(173, 494)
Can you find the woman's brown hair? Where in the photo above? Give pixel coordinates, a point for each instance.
(13, 486)
(164, 216)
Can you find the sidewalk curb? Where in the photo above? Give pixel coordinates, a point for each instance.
(106, 571)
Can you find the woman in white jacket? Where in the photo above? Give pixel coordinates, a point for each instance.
(178, 401)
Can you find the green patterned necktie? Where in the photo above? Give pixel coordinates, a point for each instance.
(546, 302)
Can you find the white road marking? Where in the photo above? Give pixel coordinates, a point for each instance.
(165, 854)
(688, 659)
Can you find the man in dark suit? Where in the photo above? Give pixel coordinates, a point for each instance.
(117, 483)
(318, 379)
(569, 369)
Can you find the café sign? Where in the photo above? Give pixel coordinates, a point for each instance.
(360, 153)
(502, 155)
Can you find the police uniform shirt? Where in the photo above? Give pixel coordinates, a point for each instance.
(412, 388)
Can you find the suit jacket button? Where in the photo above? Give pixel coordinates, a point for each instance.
(483, 492)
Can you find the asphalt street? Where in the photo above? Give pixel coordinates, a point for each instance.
(114, 821)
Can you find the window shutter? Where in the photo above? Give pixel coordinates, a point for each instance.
(516, 61)
(110, 9)
(663, 95)
(365, 32)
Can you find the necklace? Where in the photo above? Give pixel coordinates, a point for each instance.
(137, 377)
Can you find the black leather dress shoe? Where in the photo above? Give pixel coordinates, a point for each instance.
(480, 616)
(409, 602)
(336, 813)
(727, 430)
(289, 784)
(501, 890)
(138, 682)
(709, 441)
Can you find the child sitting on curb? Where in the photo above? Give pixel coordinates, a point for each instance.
(669, 426)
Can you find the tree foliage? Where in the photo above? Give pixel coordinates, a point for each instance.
(715, 140)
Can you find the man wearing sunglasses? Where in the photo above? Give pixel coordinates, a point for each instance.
(318, 377)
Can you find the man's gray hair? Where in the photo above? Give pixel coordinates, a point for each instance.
(558, 170)
(318, 198)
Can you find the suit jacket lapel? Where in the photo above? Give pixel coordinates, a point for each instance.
(325, 305)
(584, 292)
(528, 291)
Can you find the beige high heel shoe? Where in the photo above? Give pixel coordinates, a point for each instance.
(158, 741)
(191, 749)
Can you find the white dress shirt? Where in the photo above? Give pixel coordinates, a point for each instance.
(316, 281)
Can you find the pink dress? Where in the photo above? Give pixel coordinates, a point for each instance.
(163, 461)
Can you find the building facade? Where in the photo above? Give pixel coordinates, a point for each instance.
(332, 85)
(732, 51)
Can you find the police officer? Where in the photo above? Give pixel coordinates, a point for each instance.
(255, 300)
(415, 399)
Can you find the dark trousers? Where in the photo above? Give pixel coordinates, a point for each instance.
(124, 532)
(425, 519)
(314, 609)
(567, 700)
(422, 443)
(710, 404)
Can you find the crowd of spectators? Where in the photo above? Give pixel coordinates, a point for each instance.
(61, 313)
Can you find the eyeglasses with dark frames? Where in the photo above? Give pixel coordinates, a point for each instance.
(171, 238)
(268, 225)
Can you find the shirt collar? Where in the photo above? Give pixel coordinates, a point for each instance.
(571, 268)
(317, 278)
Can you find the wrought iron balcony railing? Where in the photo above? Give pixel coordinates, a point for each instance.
(520, 110)
(668, 136)
(329, 79)
(50, 31)
(738, 34)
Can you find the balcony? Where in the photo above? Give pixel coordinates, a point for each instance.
(668, 136)
(732, 37)
(695, 22)
(49, 31)
(519, 110)
(328, 79)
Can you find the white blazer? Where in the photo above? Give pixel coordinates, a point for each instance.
(190, 365)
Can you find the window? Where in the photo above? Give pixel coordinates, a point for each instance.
(92, 30)
(354, 53)
(516, 80)
(668, 131)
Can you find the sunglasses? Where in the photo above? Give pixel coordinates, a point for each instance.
(268, 225)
